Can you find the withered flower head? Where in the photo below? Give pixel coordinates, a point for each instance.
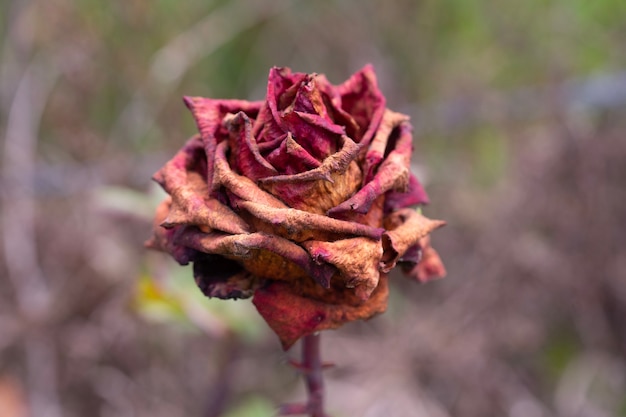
(302, 201)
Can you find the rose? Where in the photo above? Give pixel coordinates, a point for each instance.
(301, 200)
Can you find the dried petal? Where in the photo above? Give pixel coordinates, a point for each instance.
(208, 114)
(415, 195)
(245, 153)
(263, 255)
(239, 185)
(301, 199)
(363, 101)
(429, 267)
(292, 316)
(393, 174)
(405, 228)
(300, 225)
(376, 152)
(357, 260)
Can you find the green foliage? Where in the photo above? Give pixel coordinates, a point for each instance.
(253, 406)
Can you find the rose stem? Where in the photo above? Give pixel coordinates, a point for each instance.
(312, 362)
(312, 369)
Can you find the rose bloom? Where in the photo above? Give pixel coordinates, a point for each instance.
(303, 201)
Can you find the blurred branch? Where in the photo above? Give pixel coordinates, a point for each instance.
(18, 228)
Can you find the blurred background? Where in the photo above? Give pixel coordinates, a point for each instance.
(519, 111)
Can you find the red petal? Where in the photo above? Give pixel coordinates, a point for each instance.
(319, 189)
(408, 227)
(182, 177)
(393, 174)
(292, 316)
(291, 158)
(362, 99)
(208, 114)
(376, 151)
(245, 155)
(239, 185)
(415, 195)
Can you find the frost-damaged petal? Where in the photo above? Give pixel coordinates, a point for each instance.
(183, 178)
(245, 155)
(308, 119)
(282, 87)
(190, 157)
(165, 239)
(429, 267)
(263, 255)
(291, 158)
(393, 174)
(239, 185)
(361, 98)
(321, 188)
(302, 225)
(208, 114)
(415, 195)
(376, 151)
(407, 228)
(357, 260)
(292, 316)
(191, 207)
(223, 278)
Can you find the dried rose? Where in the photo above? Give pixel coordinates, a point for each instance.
(301, 201)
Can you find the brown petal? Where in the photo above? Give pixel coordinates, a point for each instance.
(208, 114)
(376, 151)
(183, 178)
(319, 189)
(300, 225)
(242, 187)
(263, 255)
(393, 174)
(165, 239)
(245, 153)
(408, 227)
(357, 260)
(430, 266)
(292, 316)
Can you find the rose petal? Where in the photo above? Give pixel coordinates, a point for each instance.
(165, 239)
(183, 178)
(362, 99)
(357, 260)
(321, 188)
(239, 185)
(245, 154)
(300, 225)
(393, 174)
(292, 316)
(415, 195)
(263, 255)
(429, 267)
(208, 114)
(318, 141)
(405, 229)
(376, 151)
(291, 158)
(223, 278)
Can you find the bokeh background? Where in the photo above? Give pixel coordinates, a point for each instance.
(519, 110)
